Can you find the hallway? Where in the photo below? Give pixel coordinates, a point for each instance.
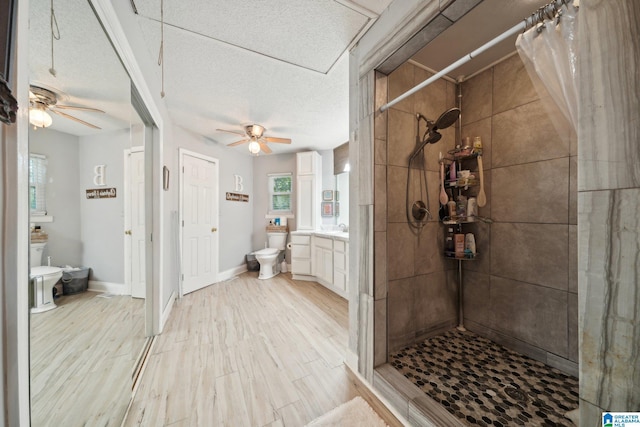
(249, 352)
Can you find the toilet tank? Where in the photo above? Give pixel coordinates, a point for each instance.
(277, 240)
(35, 254)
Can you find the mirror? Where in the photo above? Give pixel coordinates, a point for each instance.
(87, 322)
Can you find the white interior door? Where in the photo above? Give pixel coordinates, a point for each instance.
(137, 241)
(199, 201)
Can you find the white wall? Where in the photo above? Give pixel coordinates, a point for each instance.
(235, 218)
(102, 225)
(262, 166)
(63, 198)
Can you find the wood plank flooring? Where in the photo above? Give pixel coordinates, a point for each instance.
(82, 359)
(249, 352)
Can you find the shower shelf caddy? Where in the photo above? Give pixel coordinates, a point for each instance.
(461, 186)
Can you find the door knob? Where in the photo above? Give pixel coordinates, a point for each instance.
(213, 230)
(128, 232)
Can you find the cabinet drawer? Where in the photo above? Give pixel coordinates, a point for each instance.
(301, 240)
(339, 261)
(339, 246)
(300, 251)
(301, 266)
(323, 243)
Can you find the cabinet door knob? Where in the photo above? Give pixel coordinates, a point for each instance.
(128, 232)
(213, 230)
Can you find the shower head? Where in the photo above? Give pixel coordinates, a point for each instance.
(431, 136)
(447, 118)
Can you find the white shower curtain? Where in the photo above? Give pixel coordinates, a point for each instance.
(549, 52)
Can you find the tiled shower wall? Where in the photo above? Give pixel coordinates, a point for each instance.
(415, 283)
(523, 291)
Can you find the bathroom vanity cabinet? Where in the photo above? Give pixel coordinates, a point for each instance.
(300, 255)
(323, 258)
(340, 265)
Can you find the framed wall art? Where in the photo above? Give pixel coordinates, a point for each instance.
(327, 208)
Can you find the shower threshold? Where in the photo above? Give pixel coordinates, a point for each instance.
(477, 382)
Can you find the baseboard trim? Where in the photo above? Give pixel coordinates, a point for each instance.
(167, 310)
(232, 272)
(108, 287)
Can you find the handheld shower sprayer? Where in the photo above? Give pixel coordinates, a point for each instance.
(420, 211)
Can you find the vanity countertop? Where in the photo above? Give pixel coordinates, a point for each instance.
(336, 235)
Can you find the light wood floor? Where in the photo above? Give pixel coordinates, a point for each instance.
(81, 360)
(250, 352)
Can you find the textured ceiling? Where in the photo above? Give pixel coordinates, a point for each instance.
(281, 63)
(88, 72)
(310, 34)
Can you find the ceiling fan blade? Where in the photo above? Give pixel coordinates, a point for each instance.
(242, 141)
(60, 113)
(264, 147)
(73, 107)
(232, 131)
(278, 140)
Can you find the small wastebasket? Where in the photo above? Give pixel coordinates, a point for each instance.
(252, 263)
(75, 281)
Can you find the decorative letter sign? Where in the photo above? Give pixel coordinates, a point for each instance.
(98, 179)
(239, 186)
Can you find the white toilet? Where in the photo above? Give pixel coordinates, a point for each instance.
(43, 278)
(271, 257)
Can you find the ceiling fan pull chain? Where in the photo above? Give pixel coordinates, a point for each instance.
(161, 53)
(55, 35)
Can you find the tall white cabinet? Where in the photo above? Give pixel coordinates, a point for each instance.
(309, 190)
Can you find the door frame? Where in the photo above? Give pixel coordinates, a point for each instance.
(216, 188)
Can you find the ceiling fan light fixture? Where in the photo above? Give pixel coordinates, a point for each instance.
(39, 118)
(257, 130)
(254, 147)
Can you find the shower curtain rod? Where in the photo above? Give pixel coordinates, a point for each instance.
(547, 11)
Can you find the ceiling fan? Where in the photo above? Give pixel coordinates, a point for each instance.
(42, 100)
(254, 135)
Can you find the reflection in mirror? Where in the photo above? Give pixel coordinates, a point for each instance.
(84, 323)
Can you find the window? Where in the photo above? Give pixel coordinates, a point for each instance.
(37, 184)
(280, 193)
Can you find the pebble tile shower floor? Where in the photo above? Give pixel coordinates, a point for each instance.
(483, 383)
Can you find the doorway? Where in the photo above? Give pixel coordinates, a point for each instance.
(199, 221)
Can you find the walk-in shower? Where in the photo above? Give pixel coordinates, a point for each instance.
(419, 210)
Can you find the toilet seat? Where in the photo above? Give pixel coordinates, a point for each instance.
(44, 270)
(267, 252)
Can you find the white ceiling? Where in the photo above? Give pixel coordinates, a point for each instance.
(88, 72)
(279, 63)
